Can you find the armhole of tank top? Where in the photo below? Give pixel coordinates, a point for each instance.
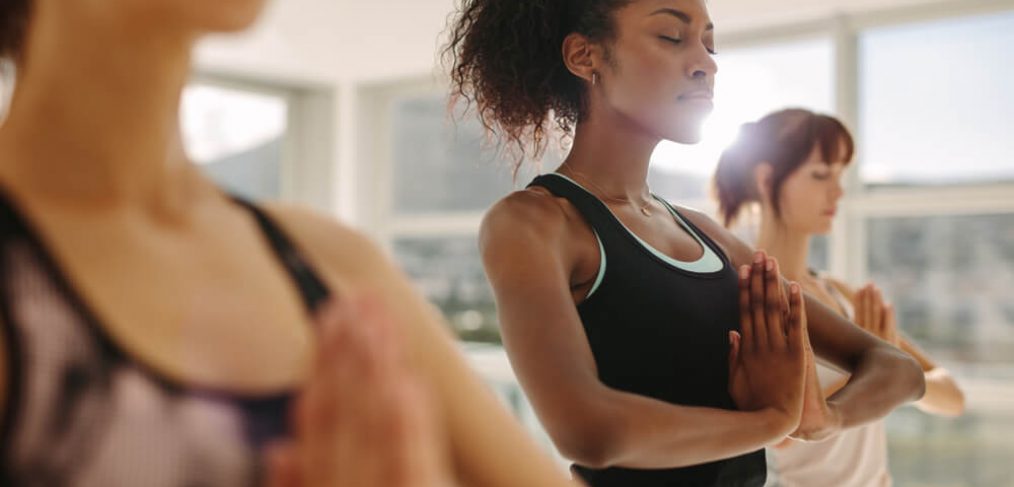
(602, 267)
(845, 306)
(602, 249)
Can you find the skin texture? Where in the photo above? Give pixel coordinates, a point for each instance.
(91, 153)
(647, 89)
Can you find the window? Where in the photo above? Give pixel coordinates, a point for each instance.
(238, 136)
(442, 164)
(935, 101)
(950, 279)
(444, 174)
(449, 273)
(933, 223)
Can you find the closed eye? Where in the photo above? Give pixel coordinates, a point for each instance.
(675, 41)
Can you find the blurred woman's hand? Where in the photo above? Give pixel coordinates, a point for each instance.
(875, 315)
(364, 418)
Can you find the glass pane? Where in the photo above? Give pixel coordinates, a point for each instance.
(443, 163)
(950, 279)
(974, 450)
(449, 273)
(936, 102)
(237, 136)
(751, 82)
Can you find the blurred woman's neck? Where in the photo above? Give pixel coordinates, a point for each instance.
(94, 117)
(791, 248)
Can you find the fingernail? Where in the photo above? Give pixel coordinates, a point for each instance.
(771, 264)
(758, 258)
(744, 272)
(794, 288)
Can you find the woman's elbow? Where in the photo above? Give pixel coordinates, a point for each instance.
(910, 374)
(595, 444)
(943, 395)
(959, 402)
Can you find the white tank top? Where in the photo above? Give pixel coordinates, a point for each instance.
(854, 458)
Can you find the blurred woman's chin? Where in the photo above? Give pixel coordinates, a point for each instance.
(687, 137)
(824, 229)
(224, 16)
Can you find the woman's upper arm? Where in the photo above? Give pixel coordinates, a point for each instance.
(487, 444)
(522, 245)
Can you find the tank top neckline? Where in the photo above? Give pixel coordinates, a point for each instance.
(310, 287)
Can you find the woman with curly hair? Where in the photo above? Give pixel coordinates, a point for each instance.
(656, 348)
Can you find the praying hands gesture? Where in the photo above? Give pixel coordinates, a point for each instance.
(875, 315)
(767, 359)
(363, 418)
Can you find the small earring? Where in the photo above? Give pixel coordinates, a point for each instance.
(595, 79)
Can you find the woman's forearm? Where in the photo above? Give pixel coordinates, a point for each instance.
(883, 379)
(882, 376)
(638, 432)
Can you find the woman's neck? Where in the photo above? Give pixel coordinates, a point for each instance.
(94, 117)
(791, 248)
(613, 154)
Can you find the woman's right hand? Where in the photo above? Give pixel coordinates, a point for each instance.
(767, 360)
(364, 418)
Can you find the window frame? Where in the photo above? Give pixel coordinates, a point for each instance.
(307, 147)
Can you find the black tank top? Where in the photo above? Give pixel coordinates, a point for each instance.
(659, 331)
(80, 411)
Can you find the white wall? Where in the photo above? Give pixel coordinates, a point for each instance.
(337, 46)
(334, 40)
(356, 40)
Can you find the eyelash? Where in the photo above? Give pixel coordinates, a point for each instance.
(672, 40)
(821, 177)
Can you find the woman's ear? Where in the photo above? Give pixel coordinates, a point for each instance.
(763, 175)
(582, 57)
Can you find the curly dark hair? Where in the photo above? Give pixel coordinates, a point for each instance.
(505, 59)
(13, 24)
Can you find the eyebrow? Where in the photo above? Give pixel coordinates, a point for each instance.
(680, 15)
